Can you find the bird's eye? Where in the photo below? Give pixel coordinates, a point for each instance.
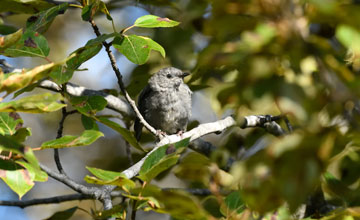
(169, 76)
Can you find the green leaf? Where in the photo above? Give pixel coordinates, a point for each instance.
(118, 212)
(31, 44)
(137, 48)
(125, 133)
(40, 103)
(36, 172)
(194, 167)
(100, 39)
(348, 36)
(86, 138)
(165, 163)
(40, 22)
(178, 204)
(212, 206)
(63, 215)
(161, 159)
(60, 74)
(89, 123)
(24, 6)
(21, 134)
(90, 10)
(234, 202)
(104, 10)
(63, 74)
(28, 88)
(16, 81)
(8, 124)
(154, 46)
(7, 29)
(88, 105)
(9, 144)
(105, 177)
(10, 39)
(152, 21)
(18, 180)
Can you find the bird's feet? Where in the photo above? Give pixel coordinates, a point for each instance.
(180, 133)
(160, 133)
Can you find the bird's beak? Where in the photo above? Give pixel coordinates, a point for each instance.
(185, 74)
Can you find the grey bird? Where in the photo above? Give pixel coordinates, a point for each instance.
(165, 102)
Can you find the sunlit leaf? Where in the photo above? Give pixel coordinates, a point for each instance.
(8, 124)
(137, 48)
(86, 138)
(105, 177)
(40, 103)
(18, 180)
(152, 21)
(349, 37)
(16, 81)
(39, 175)
(10, 39)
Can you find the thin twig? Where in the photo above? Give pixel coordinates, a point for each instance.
(59, 135)
(50, 200)
(121, 83)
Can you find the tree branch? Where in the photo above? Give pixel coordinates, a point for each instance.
(113, 102)
(59, 135)
(95, 192)
(193, 134)
(213, 127)
(50, 200)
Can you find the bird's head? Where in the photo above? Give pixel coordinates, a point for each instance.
(168, 78)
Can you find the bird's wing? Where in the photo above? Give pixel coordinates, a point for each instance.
(142, 99)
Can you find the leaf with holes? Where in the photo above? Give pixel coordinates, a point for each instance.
(40, 103)
(152, 21)
(86, 138)
(31, 44)
(137, 48)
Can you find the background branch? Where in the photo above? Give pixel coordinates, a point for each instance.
(50, 200)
